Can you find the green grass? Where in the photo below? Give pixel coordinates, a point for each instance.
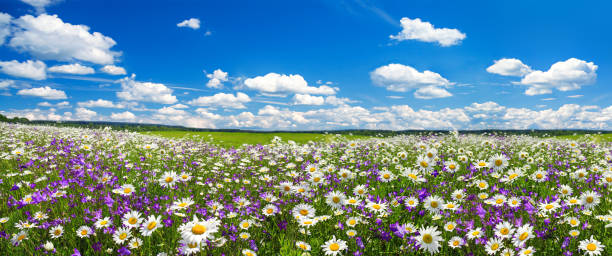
(590, 137)
(236, 139)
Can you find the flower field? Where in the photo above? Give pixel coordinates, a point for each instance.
(69, 191)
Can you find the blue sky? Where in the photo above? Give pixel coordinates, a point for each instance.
(302, 65)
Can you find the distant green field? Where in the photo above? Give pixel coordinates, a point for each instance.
(591, 137)
(236, 139)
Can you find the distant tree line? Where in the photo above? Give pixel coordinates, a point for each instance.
(136, 127)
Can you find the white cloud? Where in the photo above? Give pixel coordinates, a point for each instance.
(171, 111)
(113, 70)
(61, 104)
(488, 106)
(5, 26)
(179, 106)
(145, 91)
(216, 79)
(415, 29)
(402, 78)
(563, 76)
(77, 69)
(85, 114)
(192, 23)
(307, 99)
(273, 83)
(40, 5)
(43, 92)
(333, 100)
(509, 67)
(48, 37)
(100, 103)
(575, 96)
(431, 92)
(34, 70)
(223, 100)
(5, 84)
(123, 116)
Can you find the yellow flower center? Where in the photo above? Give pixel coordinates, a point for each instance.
(450, 227)
(482, 185)
(452, 167)
(498, 162)
(269, 210)
(573, 222)
(245, 225)
(386, 176)
(334, 247)
(424, 164)
(317, 179)
(523, 236)
(122, 236)
(84, 232)
(591, 247)
(427, 238)
(434, 204)
(456, 243)
(304, 212)
(103, 223)
(494, 246)
(57, 232)
(504, 231)
(352, 201)
(376, 206)
(127, 190)
(352, 222)
(589, 199)
(499, 201)
(336, 199)
(512, 176)
(132, 220)
(549, 206)
(476, 233)
(482, 164)
(527, 252)
(198, 229)
(539, 175)
(192, 245)
(152, 225)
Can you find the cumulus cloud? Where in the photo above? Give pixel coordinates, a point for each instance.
(431, 92)
(145, 91)
(509, 67)
(43, 92)
(76, 69)
(280, 83)
(113, 70)
(5, 26)
(123, 116)
(85, 114)
(179, 106)
(216, 79)
(415, 29)
(61, 104)
(48, 37)
(35, 70)
(5, 84)
(307, 99)
(564, 76)
(40, 5)
(224, 100)
(100, 103)
(402, 78)
(191, 23)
